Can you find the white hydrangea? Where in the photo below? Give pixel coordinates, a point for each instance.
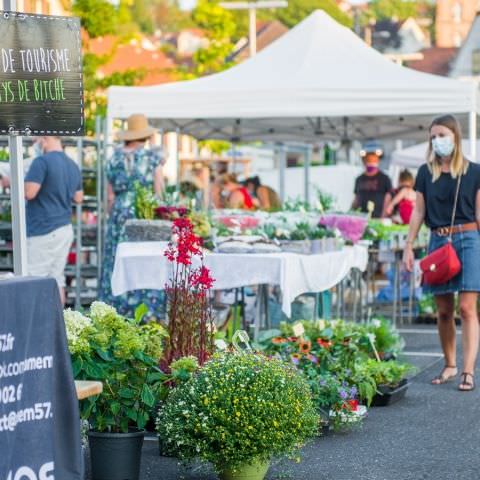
(75, 323)
(100, 310)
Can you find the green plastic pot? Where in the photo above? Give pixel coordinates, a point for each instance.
(252, 471)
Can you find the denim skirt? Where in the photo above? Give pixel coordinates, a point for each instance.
(467, 246)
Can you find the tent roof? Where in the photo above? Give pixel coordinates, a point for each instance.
(317, 70)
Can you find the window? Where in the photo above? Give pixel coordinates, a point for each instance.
(457, 12)
(476, 62)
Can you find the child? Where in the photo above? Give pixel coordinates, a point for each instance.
(404, 200)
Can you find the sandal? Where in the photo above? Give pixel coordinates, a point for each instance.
(470, 385)
(441, 379)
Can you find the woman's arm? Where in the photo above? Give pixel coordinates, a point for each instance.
(416, 221)
(395, 201)
(110, 196)
(263, 198)
(158, 181)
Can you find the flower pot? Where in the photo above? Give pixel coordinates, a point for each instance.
(301, 247)
(148, 230)
(318, 246)
(115, 456)
(252, 471)
(388, 395)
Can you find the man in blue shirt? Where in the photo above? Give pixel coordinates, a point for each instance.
(52, 183)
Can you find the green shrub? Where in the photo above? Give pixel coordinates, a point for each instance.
(238, 408)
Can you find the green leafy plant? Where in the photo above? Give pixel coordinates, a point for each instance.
(123, 354)
(145, 202)
(237, 409)
(389, 373)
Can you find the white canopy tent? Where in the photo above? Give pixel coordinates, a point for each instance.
(319, 81)
(414, 156)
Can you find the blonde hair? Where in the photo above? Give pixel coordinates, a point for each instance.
(459, 164)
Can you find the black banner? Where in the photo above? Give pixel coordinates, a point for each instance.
(41, 82)
(39, 416)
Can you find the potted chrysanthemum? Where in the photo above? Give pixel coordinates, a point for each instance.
(238, 412)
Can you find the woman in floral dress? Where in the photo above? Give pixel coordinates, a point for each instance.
(130, 165)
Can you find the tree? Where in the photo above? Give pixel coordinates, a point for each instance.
(219, 27)
(297, 10)
(98, 17)
(400, 9)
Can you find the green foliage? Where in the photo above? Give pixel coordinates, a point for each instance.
(297, 10)
(384, 373)
(145, 202)
(388, 9)
(98, 17)
(333, 356)
(219, 26)
(238, 408)
(124, 356)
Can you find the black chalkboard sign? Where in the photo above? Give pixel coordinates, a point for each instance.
(41, 83)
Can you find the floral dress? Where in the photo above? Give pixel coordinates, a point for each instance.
(124, 170)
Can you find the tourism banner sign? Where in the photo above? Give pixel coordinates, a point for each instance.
(41, 81)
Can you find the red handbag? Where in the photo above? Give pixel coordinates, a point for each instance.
(442, 264)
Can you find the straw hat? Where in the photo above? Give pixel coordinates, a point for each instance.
(138, 128)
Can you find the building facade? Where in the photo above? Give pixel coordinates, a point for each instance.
(45, 7)
(454, 19)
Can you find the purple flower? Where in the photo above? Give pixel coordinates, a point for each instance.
(295, 360)
(313, 358)
(323, 382)
(353, 392)
(343, 394)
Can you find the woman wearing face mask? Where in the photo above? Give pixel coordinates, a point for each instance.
(436, 186)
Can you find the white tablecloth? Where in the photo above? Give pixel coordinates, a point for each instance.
(140, 265)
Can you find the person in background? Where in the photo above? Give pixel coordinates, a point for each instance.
(52, 183)
(238, 197)
(132, 164)
(216, 188)
(264, 197)
(373, 187)
(404, 200)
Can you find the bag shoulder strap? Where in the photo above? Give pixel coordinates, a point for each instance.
(455, 203)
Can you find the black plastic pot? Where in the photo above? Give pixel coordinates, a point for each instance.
(388, 395)
(116, 456)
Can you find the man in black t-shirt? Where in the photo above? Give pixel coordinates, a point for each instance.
(372, 186)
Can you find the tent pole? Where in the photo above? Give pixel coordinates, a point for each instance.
(472, 126)
(308, 158)
(282, 159)
(177, 159)
(19, 229)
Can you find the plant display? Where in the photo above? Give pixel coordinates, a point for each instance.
(190, 325)
(145, 203)
(352, 227)
(385, 373)
(123, 355)
(237, 409)
(333, 355)
(201, 224)
(170, 212)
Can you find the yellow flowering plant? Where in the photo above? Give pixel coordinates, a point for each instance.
(239, 408)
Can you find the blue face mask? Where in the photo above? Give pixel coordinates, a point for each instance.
(443, 146)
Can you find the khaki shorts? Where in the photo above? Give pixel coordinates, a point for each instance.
(47, 254)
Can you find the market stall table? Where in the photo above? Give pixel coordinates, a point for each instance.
(142, 265)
